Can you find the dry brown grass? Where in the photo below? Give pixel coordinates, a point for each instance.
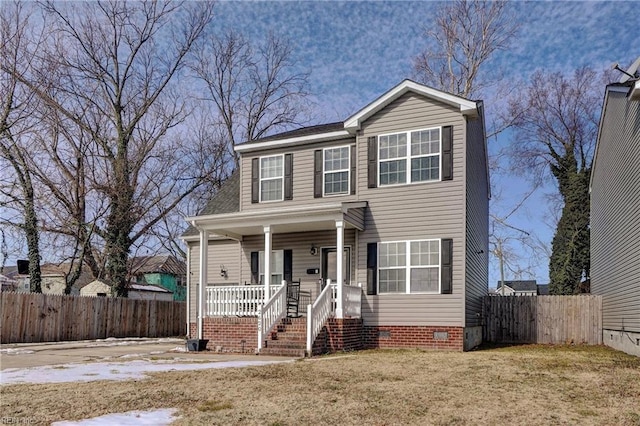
(517, 385)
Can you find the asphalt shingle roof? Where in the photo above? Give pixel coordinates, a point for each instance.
(523, 285)
(226, 200)
(303, 131)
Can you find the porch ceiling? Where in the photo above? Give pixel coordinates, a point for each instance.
(296, 219)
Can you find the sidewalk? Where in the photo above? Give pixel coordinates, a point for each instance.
(25, 355)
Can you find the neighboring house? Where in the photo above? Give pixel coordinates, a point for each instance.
(615, 215)
(136, 291)
(543, 289)
(53, 279)
(7, 284)
(518, 288)
(400, 189)
(163, 271)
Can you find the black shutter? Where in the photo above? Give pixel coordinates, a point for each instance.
(372, 158)
(255, 267)
(317, 173)
(288, 266)
(288, 176)
(255, 180)
(353, 169)
(447, 153)
(372, 268)
(446, 267)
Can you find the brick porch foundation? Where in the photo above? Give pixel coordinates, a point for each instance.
(339, 335)
(421, 337)
(236, 335)
(239, 335)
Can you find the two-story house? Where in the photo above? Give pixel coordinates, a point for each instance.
(381, 221)
(615, 213)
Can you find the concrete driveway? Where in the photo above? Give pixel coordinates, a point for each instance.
(25, 355)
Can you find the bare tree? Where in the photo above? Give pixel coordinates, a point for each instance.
(16, 129)
(463, 37)
(111, 70)
(255, 90)
(556, 126)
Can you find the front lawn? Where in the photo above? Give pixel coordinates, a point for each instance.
(514, 385)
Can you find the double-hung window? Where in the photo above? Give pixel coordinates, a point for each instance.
(336, 170)
(277, 266)
(409, 157)
(271, 178)
(409, 267)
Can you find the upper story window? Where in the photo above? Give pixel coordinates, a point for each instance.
(271, 178)
(409, 157)
(336, 169)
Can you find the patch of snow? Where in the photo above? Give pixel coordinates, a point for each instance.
(112, 341)
(111, 370)
(179, 349)
(131, 418)
(16, 351)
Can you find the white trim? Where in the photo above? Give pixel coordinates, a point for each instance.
(278, 216)
(466, 106)
(348, 170)
(408, 157)
(407, 267)
(634, 95)
(321, 137)
(261, 179)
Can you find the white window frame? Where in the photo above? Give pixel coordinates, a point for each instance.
(261, 179)
(348, 170)
(408, 157)
(278, 270)
(407, 267)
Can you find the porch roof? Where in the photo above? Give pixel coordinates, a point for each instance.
(282, 220)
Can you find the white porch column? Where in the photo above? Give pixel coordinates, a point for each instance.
(340, 266)
(202, 280)
(188, 284)
(267, 262)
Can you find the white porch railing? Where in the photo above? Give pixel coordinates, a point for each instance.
(236, 300)
(318, 313)
(271, 313)
(352, 301)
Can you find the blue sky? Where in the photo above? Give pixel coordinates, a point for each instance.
(358, 50)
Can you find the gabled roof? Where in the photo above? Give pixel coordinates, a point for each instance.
(466, 106)
(522, 285)
(303, 131)
(166, 264)
(226, 200)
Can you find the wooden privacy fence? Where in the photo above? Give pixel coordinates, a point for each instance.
(32, 317)
(543, 319)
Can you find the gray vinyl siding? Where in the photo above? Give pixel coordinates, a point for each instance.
(221, 252)
(302, 259)
(415, 211)
(303, 168)
(477, 223)
(615, 215)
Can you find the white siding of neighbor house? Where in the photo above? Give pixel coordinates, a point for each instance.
(415, 211)
(221, 252)
(303, 168)
(477, 223)
(615, 214)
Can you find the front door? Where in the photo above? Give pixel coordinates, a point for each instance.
(329, 265)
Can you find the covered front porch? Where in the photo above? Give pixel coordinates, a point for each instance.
(314, 282)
